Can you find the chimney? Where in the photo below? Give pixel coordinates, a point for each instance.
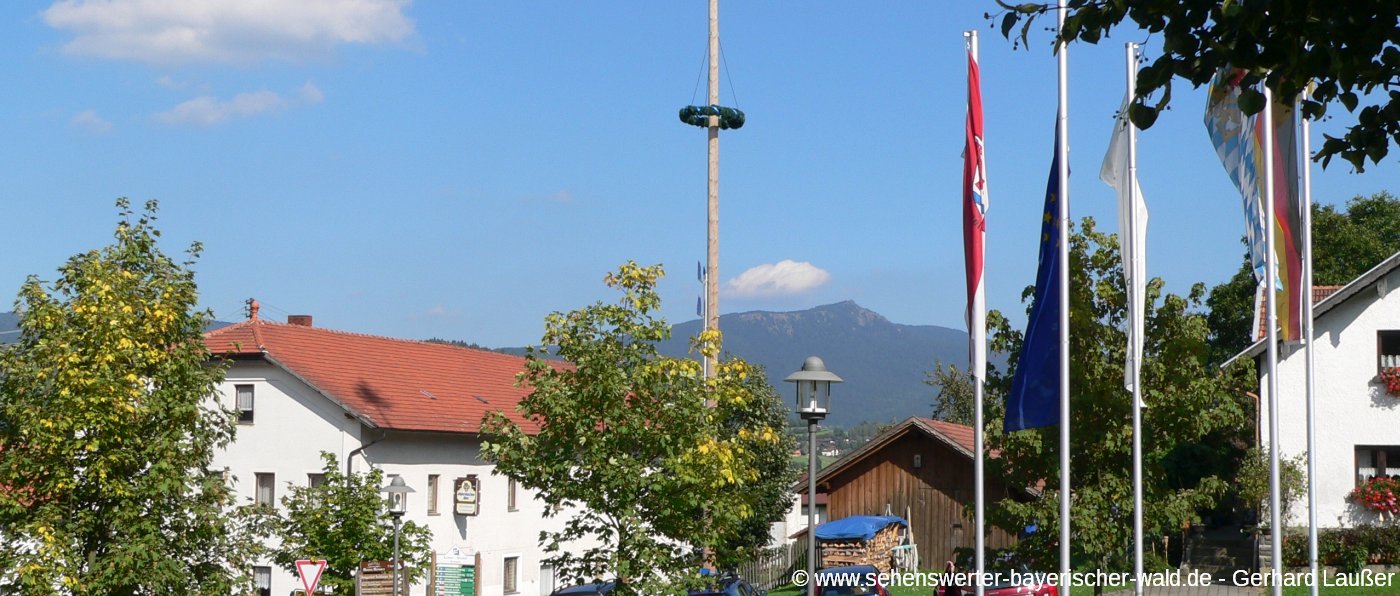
(299, 320)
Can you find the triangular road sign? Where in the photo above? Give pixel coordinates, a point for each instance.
(310, 572)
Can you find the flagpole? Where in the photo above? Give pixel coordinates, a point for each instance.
(1308, 358)
(1062, 155)
(978, 468)
(1271, 297)
(1135, 339)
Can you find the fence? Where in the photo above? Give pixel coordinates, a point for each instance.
(774, 569)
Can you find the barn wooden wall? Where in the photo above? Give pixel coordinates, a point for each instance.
(935, 495)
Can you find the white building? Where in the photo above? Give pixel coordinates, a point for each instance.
(1356, 331)
(409, 408)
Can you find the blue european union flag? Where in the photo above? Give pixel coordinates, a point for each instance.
(1034, 400)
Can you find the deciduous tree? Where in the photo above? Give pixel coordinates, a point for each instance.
(1189, 402)
(107, 427)
(1351, 50)
(343, 521)
(629, 450)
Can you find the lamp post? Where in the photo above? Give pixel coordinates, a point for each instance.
(398, 504)
(813, 401)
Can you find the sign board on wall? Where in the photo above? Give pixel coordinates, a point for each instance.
(465, 494)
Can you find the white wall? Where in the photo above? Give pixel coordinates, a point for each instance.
(293, 424)
(1352, 406)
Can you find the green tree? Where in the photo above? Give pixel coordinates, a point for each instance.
(627, 444)
(1188, 401)
(343, 521)
(108, 424)
(955, 399)
(1351, 50)
(1346, 244)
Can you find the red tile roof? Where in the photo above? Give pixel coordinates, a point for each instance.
(960, 434)
(1319, 293)
(390, 383)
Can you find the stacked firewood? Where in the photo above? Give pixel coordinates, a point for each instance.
(877, 551)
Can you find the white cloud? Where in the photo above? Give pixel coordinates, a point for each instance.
(89, 120)
(208, 111)
(783, 278)
(170, 83)
(310, 93)
(226, 31)
(438, 313)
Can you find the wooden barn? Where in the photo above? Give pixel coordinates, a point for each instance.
(920, 469)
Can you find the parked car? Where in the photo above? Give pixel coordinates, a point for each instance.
(593, 589)
(1005, 588)
(855, 580)
(722, 586)
(729, 585)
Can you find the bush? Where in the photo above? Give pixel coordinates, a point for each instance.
(1343, 547)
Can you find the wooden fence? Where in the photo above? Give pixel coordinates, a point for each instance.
(774, 569)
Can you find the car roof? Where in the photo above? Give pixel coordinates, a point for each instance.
(848, 569)
(593, 588)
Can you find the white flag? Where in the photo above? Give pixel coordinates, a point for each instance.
(1132, 239)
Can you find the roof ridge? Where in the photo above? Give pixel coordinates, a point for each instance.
(416, 342)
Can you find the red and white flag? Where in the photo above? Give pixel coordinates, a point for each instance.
(975, 221)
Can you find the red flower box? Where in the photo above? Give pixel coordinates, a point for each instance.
(1391, 377)
(1380, 494)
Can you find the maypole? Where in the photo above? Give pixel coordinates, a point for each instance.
(712, 117)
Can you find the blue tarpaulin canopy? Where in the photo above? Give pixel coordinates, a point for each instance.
(862, 527)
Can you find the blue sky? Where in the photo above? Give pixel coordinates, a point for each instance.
(461, 169)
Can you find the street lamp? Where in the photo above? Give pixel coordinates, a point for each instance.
(398, 504)
(813, 402)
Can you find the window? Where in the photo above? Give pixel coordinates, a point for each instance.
(510, 494)
(1372, 461)
(432, 494)
(510, 569)
(244, 403)
(315, 480)
(262, 581)
(546, 579)
(1388, 348)
(266, 493)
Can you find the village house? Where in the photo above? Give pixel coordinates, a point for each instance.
(919, 469)
(411, 409)
(1356, 338)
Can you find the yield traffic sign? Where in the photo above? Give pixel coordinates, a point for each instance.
(310, 573)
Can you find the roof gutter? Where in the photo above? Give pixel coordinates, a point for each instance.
(350, 458)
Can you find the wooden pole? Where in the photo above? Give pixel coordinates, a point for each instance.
(712, 234)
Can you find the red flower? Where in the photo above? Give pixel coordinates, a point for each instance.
(1379, 495)
(1391, 376)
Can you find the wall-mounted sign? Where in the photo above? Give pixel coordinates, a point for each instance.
(465, 493)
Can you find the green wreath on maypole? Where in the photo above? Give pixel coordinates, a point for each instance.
(700, 116)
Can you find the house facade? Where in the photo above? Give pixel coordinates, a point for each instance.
(411, 409)
(1356, 334)
(919, 469)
